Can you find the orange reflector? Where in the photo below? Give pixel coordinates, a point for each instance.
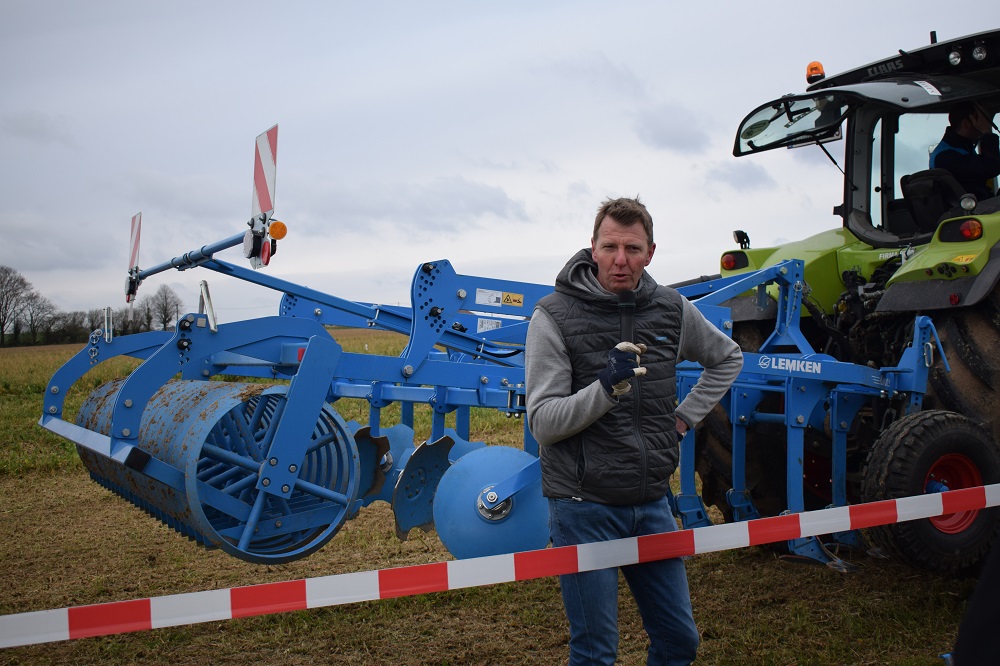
(728, 262)
(815, 72)
(277, 229)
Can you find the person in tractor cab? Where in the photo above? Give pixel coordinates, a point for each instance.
(969, 126)
(608, 427)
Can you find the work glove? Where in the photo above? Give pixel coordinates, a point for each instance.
(623, 365)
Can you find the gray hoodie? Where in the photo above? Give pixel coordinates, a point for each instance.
(557, 413)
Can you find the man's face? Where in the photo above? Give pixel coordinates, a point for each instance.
(621, 253)
(979, 123)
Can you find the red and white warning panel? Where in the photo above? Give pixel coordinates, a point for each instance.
(257, 247)
(212, 605)
(133, 243)
(132, 282)
(264, 161)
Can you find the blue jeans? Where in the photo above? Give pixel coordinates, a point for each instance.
(591, 598)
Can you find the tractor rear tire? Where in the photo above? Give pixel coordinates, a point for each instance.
(971, 338)
(916, 451)
(765, 458)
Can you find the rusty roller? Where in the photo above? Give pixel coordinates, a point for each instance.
(218, 435)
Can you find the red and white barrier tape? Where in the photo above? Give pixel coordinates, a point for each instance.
(194, 607)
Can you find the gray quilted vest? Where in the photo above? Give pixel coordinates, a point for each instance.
(626, 456)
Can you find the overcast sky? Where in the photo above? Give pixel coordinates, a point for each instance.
(485, 133)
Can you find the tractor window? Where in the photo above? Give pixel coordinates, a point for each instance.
(791, 121)
(876, 179)
(918, 134)
(905, 152)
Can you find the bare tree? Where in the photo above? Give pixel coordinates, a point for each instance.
(14, 290)
(72, 326)
(68, 327)
(166, 305)
(133, 318)
(144, 314)
(95, 319)
(51, 328)
(38, 312)
(125, 320)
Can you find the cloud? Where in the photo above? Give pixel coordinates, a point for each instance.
(742, 175)
(578, 190)
(484, 132)
(813, 155)
(208, 199)
(38, 127)
(446, 204)
(48, 252)
(671, 127)
(600, 75)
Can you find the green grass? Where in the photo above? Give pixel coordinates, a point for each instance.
(24, 374)
(65, 541)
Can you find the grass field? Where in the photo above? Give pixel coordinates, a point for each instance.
(65, 541)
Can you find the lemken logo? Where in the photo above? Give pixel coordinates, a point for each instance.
(790, 364)
(886, 67)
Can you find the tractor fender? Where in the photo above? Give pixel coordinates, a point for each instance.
(942, 294)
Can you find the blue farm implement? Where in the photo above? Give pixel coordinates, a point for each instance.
(228, 432)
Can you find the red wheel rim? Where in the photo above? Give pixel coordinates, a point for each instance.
(955, 471)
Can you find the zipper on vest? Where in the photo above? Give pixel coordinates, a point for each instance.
(636, 414)
(626, 315)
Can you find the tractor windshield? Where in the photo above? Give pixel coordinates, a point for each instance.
(792, 121)
(815, 117)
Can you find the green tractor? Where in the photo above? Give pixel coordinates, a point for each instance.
(912, 242)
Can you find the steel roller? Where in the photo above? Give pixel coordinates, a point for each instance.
(218, 435)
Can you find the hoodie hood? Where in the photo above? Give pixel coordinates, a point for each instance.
(578, 279)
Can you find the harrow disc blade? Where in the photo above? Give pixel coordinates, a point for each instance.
(413, 496)
(467, 529)
(390, 460)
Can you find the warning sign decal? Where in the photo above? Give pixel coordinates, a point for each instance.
(516, 300)
(492, 297)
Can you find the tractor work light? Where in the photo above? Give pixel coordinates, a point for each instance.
(979, 52)
(955, 57)
(961, 231)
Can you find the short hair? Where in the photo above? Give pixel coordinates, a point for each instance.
(626, 212)
(963, 110)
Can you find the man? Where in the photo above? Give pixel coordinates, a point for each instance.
(608, 429)
(968, 125)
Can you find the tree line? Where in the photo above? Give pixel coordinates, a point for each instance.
(29, 318)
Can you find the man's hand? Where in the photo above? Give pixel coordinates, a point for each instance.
(623, 365)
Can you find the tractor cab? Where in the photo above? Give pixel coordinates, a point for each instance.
(910, 232)
(888, 116)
